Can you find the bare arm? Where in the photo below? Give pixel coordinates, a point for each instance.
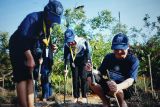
(117, 87)
(125, 84)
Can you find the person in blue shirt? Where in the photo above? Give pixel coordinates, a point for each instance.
(31, 38)
(77, 52)
(117, 72)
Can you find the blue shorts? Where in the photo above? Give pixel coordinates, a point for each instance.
(20, 70)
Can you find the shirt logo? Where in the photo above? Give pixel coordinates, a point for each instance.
(117, 68)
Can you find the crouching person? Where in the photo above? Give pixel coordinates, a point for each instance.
(117, 73)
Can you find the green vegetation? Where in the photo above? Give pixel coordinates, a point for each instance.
(99, 32)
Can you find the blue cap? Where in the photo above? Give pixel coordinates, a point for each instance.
(120, 41)
(54, 19)
(54, 10)
(69, 36)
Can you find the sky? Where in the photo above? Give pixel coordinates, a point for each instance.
(12, 12)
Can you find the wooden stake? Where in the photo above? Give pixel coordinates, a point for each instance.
(144, 81)
(150, 71)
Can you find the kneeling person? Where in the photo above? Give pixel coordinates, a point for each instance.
(121, 67)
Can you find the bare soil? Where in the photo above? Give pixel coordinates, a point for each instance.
(9, 99)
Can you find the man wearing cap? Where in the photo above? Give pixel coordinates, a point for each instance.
(77, 52)
(117, 72)
(32, 37)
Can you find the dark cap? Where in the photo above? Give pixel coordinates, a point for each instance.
(120, 41)
(54, 10)
(69, 35)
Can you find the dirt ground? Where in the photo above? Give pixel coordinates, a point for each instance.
(92, 99)
(9, 99)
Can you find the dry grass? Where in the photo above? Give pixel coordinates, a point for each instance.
(7, 97)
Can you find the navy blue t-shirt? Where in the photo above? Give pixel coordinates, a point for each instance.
(120, 69)
(29, 33)
(31, 27)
